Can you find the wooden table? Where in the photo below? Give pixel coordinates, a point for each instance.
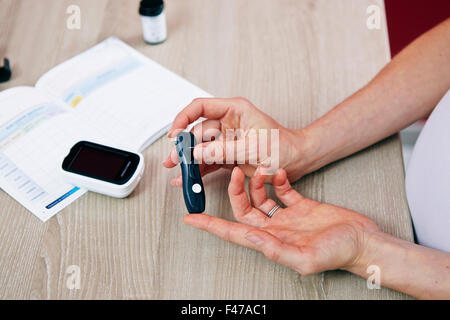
(294, 59)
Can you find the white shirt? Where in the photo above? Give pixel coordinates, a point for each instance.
(428, 180)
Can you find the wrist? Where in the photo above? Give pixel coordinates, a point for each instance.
(404, 266)
(303, 155)
(375, 248)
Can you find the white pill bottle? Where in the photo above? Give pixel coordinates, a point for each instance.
(153, 19)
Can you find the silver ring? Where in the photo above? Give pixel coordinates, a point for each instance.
(272, 212)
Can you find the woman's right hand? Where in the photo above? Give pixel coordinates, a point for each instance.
(248, 123)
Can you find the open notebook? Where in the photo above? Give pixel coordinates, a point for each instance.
(110, 94)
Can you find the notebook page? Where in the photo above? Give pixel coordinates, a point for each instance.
(128, 98)
(36, 133)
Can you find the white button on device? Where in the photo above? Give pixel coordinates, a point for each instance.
(197, 188)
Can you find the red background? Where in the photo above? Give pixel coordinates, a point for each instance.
(407, 19)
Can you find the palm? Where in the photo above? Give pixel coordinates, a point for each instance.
(331, 242)
(307, 236)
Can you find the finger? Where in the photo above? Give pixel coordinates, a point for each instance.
(207, 130)
(258, 194)
(242, 209)
(230, 231)
(283, 189)
(280, 252)
(204, 170)
(203, 131)
(172, 160)
(210, 108)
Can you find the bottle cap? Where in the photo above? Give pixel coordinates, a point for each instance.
(5, 71)
(151, 8)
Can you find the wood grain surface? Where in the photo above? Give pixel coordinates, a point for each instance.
(293, 59)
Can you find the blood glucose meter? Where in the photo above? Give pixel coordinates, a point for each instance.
(103, 169)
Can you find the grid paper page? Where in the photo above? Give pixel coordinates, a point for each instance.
(33, 141)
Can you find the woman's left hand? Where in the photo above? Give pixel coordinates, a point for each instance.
(307, 236)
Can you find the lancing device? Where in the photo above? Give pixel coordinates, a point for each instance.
(194, 195)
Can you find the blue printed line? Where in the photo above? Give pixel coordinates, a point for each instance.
(64, 196)
(84, 88)
(21, 122)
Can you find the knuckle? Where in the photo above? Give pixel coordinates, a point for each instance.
(227, 235)
(272, 254)
(228, 232)
(243, 101)
(208, 225)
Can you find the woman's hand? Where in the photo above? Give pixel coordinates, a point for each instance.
(306, 236)
(246, 121)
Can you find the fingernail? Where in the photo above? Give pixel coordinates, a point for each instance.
(265, 171)
(254, 239)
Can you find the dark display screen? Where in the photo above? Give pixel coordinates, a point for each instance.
(101, 162)
(98, 163)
